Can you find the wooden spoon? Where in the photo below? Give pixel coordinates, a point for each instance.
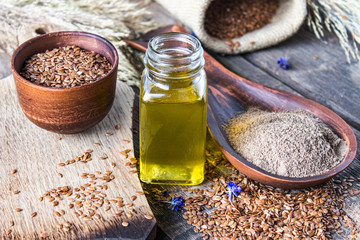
(230, 94)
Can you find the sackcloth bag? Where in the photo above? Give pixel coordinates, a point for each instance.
(287, 20)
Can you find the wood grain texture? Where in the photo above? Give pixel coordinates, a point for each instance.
(35, 153)
(171, 222)
(230, 94)
(318, 71)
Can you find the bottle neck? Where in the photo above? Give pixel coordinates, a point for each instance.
(174, 59)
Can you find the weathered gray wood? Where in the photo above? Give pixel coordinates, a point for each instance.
(36, 153)
(250, 67)
(168, 220)
(4, 65)
(328, 79)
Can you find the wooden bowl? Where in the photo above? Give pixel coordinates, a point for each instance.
(65, 110)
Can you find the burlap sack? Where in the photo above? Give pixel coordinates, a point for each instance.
(284, 24)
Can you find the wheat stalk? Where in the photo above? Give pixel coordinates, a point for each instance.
(342, 17)
(115, 20)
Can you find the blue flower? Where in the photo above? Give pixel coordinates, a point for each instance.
(176, 202)
(283, 63)
(232, 189)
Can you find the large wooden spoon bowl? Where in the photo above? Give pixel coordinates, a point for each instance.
(230, 94)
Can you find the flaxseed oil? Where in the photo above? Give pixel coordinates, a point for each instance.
(172, 142)
(172, 120)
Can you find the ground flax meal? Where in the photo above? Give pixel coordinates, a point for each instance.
(289, 143)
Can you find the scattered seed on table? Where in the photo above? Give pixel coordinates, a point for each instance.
(58, 138)
(125, 153)
(8, 232)
(11, 223)
(62, 212)
(148, 217)
(18, 209)
(133, 198)
(125, 224)
(117, 126)
(112, 164)
(66, 229)
(13, 171)
(108, 134)
(16, 192)
(96, 143)
(43, 235)
(118, 213)
(33, 214)
(60, 175)
(40, 199)
(61, 164)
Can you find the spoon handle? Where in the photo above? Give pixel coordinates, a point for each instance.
(230, 94)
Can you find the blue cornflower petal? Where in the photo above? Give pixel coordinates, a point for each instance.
(232, 189)
(176, 202)
(283, 63)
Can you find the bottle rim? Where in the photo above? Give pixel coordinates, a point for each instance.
(156, 41)
(174, 52)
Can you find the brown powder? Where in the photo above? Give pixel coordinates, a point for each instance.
(227, 19)
(289, 143)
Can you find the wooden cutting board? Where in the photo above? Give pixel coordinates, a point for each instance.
(36, 155)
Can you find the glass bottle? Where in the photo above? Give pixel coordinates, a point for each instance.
(173, 101)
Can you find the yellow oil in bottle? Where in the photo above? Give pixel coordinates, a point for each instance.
(172, 142)
(173, 111)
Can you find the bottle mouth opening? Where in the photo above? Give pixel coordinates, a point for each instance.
(174, 56)
(175, 45)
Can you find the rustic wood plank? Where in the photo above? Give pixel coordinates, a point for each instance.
(36, 153)
(4, 65)
(328, 79)
(171, 222)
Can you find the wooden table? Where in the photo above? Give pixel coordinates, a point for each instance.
(318, 71)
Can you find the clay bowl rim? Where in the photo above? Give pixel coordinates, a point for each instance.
(30, 41)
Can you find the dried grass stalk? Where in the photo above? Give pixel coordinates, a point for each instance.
(342, 17)
(113, 19)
